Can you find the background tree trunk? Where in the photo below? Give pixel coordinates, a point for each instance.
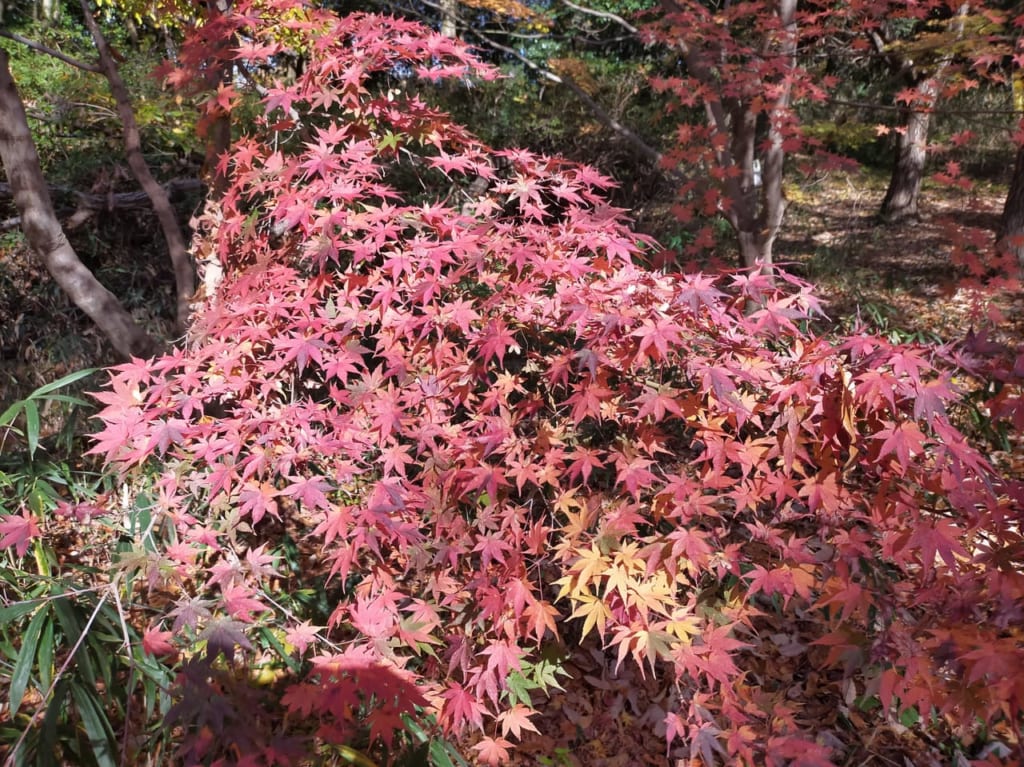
(44, 233)
(901, 198)
(218, 129)
(773, 198)
(754, 211)
(1011, 225)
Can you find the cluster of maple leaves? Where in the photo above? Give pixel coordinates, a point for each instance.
(495, 429)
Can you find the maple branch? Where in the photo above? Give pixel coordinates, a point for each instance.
(603, 15)
(78, 64)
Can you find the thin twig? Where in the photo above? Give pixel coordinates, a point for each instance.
(50, 51)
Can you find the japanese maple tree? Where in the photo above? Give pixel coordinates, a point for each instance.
(746, 68)
(493, 428)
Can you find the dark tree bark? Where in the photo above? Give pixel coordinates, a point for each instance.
(44, 233)
(181, 263)
(901, 198)
(1011, 225)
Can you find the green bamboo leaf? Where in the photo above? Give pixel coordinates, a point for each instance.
(414, 729)
(66, 617)
(439, 755)
(72, 629)
(60, 383)
(416, 757)
(103, 653)
(26, 659)
(45, 656)
(48, 731)
(68, 399)
(15, 611)
(96, 725)
(11, 413)
(288, 660)
(443, 754)
(32, 426)
(357, 758)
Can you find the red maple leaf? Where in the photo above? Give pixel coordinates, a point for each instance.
(158, 643)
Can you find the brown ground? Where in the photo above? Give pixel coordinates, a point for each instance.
(901, 278)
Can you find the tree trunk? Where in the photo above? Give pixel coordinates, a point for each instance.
(218, 127)
(47, 11)
(449, 18)
(181, 263)
(754, 210)
(1011, 225)
(773, 198)
(44, 233)
(901, 198)
(740, 187)
(900, 203)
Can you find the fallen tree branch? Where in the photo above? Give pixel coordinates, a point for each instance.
(602, 115)
(589, 102)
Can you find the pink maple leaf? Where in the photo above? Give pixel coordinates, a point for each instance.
(18, 531)
(493, 751)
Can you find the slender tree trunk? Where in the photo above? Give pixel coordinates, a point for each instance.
(740, 187)
(901, 198)
(181, 263)
(449, 17)
(1011, 226)
(47, 11)
(755, 212)
(773, 198)
(218, 129)
(44, 233)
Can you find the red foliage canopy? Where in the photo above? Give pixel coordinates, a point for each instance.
(486, 420)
